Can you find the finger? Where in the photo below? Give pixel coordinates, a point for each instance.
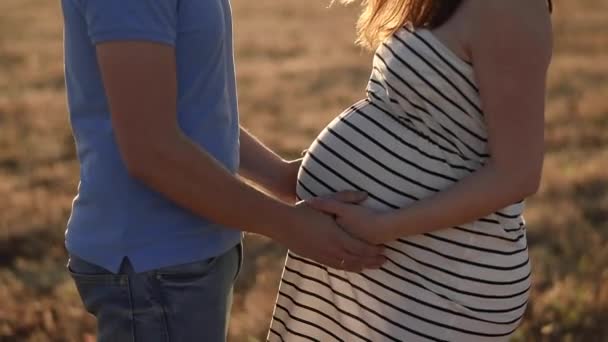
(328, 206)
(339, 259)
(347, 262)
(328, 258)
(371, 262)
(361, 248)
(353, 267)
(353, 263)
(359, 263)
(348, 196)
(332, 260)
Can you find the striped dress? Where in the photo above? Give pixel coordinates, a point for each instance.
(420, 130)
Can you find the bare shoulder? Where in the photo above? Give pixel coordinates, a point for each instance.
(524, 25)
(530, 13)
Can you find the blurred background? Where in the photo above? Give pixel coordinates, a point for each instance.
(297, 69)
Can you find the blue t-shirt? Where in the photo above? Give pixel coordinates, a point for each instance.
(115, 216)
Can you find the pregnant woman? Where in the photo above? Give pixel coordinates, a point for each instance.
(447, 144)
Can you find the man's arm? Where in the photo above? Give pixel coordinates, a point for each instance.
(264, 167)
(141, 86)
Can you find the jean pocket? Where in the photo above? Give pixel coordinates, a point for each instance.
(103, 294)
(86, 273)
(187, 273)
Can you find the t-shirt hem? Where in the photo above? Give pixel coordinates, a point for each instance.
(169, 252)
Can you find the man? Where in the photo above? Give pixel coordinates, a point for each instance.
(153, 240)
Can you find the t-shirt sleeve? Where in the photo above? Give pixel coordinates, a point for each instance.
(147, 20)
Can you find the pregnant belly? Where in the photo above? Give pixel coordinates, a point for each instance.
(368, 150)
(365, 149)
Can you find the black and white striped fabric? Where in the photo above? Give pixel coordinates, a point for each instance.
(420, 130)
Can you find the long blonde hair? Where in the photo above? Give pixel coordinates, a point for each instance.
(381, 18)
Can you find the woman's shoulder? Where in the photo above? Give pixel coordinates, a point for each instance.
(522, 23)
(531, 15)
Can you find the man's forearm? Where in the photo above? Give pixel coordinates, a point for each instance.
(190, 177)
(264, 167)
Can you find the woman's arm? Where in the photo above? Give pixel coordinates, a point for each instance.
(511, 47)
(265, 168)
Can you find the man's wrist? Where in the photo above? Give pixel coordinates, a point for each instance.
(275, 223)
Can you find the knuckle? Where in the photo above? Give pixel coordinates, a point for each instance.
(339, 195)
(350, 196)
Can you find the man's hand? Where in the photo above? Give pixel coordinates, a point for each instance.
(317, 236)
(363, 223)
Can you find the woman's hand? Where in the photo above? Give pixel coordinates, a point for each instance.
(261, 166)
(364, 223)
(318, 236)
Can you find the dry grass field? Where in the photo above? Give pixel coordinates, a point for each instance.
(297, 68)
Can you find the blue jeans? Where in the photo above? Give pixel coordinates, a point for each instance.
(189, 302)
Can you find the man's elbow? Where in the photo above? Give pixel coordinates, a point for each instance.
(137, 160)
(144, 155)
